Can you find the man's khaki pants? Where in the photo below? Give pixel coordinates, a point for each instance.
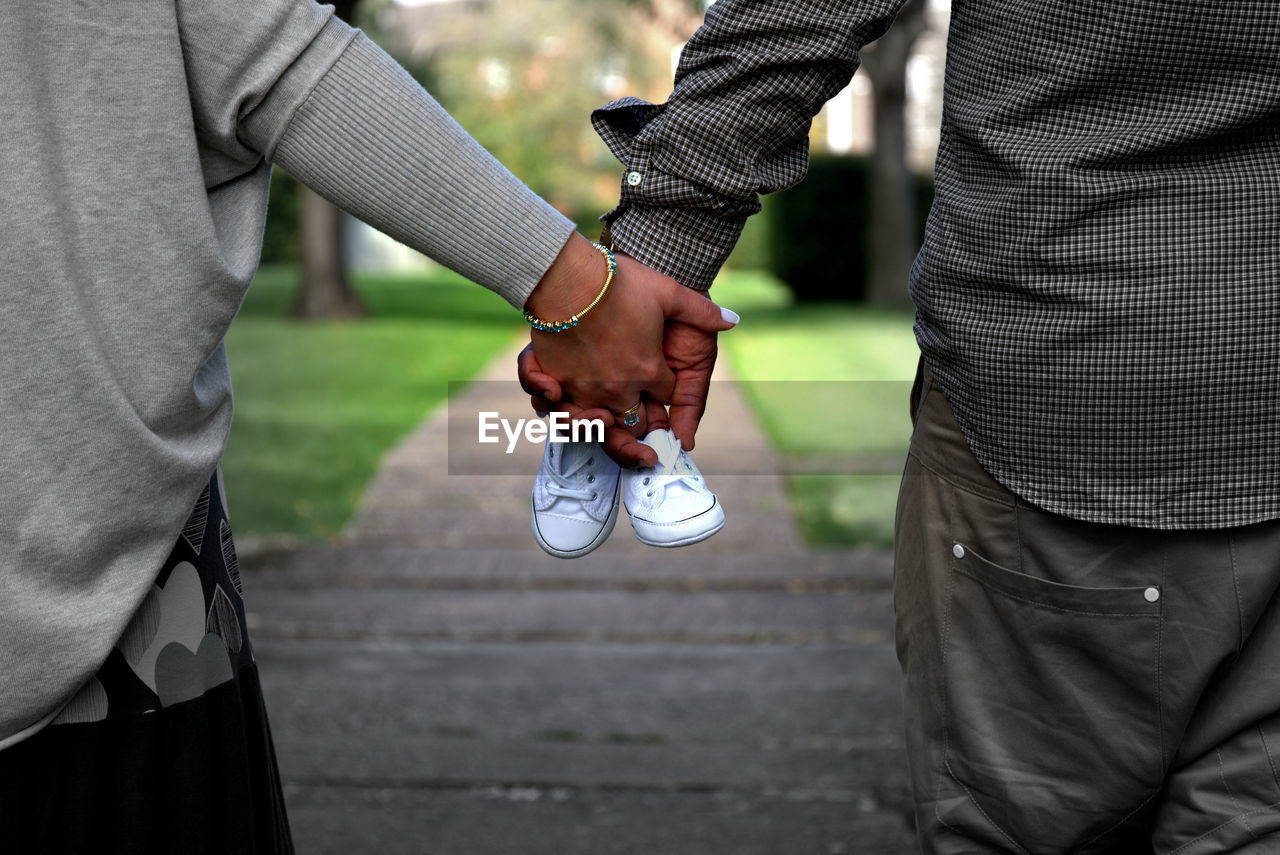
(1073, 687)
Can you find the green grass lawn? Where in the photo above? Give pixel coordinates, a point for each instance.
(829, 382)
(318, 403)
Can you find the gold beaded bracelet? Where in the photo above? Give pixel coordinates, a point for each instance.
(560, 326)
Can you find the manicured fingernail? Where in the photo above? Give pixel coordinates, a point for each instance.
(542, 414)
(729, 316)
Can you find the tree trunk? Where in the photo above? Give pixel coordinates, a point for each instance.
(892, 242)
(325, 291)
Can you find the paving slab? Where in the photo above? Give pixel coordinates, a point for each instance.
(405, 713)
(367, 567)
(567, 747)
(590, 615)
(524, 820)
(752, 699)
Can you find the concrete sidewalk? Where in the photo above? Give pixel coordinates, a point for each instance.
(439, 685)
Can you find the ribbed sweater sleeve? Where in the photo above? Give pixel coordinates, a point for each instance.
(368, 138)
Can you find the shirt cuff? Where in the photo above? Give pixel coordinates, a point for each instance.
(686, 245)
(673, 225)
(619, 123)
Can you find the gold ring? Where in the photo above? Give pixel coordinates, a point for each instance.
(631, 417)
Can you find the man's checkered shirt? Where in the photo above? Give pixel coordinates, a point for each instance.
(1098, 293)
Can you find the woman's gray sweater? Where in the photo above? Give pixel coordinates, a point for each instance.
(136, 156)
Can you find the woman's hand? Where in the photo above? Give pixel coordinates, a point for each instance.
(649, 334)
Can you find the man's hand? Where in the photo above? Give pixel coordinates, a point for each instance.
(691, 355)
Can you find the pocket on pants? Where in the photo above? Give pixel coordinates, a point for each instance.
(1052, 706)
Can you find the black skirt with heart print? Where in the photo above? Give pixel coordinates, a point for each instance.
(167, 749)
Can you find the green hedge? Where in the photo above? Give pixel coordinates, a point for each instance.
(818, 230)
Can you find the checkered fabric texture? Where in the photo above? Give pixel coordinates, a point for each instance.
(1098, 293)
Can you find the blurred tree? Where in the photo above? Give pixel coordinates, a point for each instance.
(892, 243)
(523, 79)
(326, 292)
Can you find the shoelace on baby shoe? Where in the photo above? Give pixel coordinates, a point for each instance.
(674, 465)
(561, 483)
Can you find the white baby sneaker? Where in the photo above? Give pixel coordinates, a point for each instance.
(575, 498)
(670, 504)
